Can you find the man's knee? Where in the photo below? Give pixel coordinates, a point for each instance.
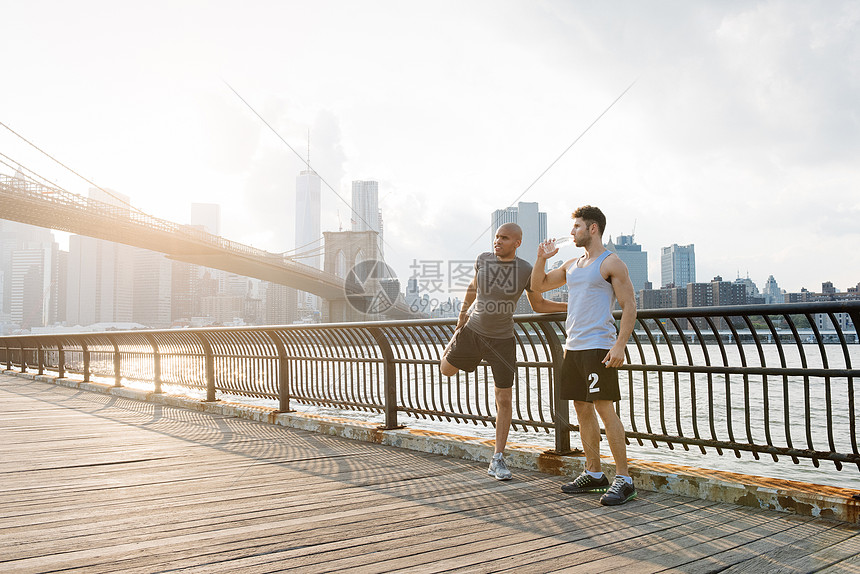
(606, 410)
(583, 408)
(447, 368)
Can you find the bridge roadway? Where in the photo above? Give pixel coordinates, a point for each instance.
(97, 483)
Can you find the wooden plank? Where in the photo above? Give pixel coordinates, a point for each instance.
(825, 548)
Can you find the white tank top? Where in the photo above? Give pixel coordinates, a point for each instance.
(590, 300)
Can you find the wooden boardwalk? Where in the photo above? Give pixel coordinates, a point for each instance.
(95, 483)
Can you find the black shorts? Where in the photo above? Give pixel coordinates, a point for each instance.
(584, 377)
(468, 348)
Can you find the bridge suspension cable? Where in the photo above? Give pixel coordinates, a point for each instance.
(114, 196)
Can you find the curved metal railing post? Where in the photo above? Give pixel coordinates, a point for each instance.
(156, 363)
(283, 374)
(561, 407)
(85, 351)
(23, 356)
(40, 357)
(61, 360)
(117, 363)
(209, 359)
(389, 379)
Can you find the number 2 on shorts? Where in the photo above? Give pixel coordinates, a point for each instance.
(593, 379)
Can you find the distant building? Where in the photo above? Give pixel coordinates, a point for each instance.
(308, 237)
(828, 293)
(183, 285)
(728, 293)
(153, 277)
(366, 215)
(700, 295)
(669, 297)
(224, 309)
(33, 272)
(207, 217)
(279, 303)
(30, 279)
(100, 285)
(772, 293)
(678, 265)
(753, 297)
(715, 292)
(632, 255)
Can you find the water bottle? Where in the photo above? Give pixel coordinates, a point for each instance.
(560, 242)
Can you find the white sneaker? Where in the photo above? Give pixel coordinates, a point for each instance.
(498, 469)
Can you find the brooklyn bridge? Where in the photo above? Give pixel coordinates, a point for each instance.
(27, 201)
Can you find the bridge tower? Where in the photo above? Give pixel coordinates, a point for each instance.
(343, 249)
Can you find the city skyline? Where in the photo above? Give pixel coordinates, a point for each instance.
(101, 282)
(739, 133)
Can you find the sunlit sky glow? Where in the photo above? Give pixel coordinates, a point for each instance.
(741, 134)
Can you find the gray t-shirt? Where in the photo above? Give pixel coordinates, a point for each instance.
(500, 284)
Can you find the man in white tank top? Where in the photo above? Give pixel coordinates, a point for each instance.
(593, 349)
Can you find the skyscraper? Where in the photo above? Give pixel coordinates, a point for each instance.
(153, 277)
(29, 268)
(308, 236)
(100, 282)
(100, 275)
(632, 255)
(33, 273)
(366, 215)
(678, 265)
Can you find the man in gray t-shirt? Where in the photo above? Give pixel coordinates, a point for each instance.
(488, 333)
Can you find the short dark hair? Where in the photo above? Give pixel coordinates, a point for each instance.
(591, 214)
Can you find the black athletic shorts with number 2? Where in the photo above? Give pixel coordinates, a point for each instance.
(585, 378)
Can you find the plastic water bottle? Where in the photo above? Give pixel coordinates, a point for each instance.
(560, 242)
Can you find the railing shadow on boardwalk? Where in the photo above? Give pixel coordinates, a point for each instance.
(772, 380)
(439, 489)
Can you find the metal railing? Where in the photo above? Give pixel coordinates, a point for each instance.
(764, 379)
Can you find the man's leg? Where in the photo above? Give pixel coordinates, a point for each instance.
(614, 434)
(504, 413)
(589, 434)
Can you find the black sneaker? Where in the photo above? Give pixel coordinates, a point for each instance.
(585, 483)
(619, 493)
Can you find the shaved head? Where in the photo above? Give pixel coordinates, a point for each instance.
(512, 229)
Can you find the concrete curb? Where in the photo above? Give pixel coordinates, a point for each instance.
(793, 497)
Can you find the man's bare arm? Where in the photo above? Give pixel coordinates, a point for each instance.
(471, 295)
(623, 287)
(543, 281)
(541, 305)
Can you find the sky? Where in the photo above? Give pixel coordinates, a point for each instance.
(740, 133)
